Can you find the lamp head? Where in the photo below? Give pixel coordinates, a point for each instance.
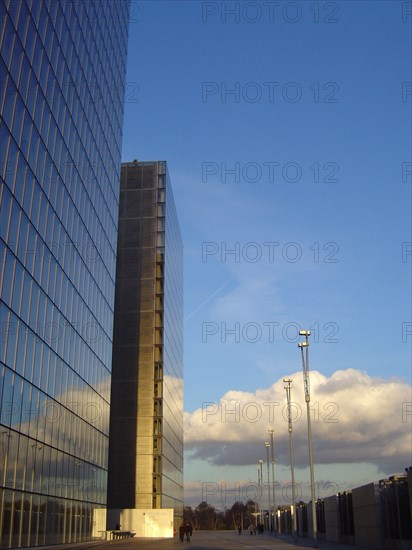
(304, 333)
(303, 344)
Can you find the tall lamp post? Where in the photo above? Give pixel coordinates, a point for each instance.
(306, 384)
(257, 505)
(272, 449)
(288, 387)
(267, 445)
(260, 464)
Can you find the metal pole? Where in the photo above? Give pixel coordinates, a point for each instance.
(307, 399)
(260, 488)
(292, 466)
(272, 448)
(258, 499)
(267, 445)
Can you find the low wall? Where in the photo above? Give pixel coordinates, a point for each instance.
(143, 522)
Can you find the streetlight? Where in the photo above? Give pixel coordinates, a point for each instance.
(287, 387)
(272, 448)
(306, 384)
(260, 464)
(267, 445)
(258, 495)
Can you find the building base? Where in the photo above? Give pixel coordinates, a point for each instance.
(155, 523)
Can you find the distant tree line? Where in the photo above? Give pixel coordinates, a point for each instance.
(206, 516)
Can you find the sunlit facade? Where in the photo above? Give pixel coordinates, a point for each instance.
(146, 425)
(62, 74)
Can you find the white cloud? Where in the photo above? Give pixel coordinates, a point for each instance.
(355, 418)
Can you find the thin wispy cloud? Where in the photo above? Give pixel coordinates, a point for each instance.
(209, 299)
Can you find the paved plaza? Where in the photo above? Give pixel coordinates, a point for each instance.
(209, 540)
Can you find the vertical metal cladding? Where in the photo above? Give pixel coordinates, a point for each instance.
(62, 70)
(146, 425)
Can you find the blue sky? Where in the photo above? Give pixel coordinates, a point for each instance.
(287, 141)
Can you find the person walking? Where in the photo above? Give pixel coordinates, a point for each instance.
(181, 532)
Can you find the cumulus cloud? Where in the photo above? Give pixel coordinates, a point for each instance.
(355, 418)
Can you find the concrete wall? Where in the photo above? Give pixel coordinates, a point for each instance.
(331, 518)
(99, 523)
(366, 516)
(367, 504)
(300, 511)
(145, 523)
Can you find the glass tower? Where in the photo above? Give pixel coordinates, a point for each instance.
(146, 417)
(62, 74)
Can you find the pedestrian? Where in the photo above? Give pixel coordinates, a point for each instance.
(239, 528)
(181, 532)
(188, 531)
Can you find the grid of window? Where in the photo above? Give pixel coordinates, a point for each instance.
(62, 69)
(172, 478)
(146, 417)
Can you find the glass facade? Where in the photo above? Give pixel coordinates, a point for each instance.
(62, 74)
(146, 422)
